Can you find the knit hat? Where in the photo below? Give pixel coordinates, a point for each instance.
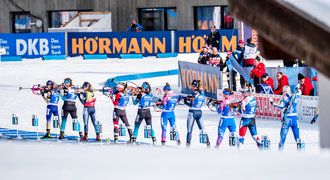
(300, 76)
(240, 42)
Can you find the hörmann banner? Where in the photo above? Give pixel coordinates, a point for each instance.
(33, 45)
(146, 43)
(193, 41)
(209, 75)
(115, 43)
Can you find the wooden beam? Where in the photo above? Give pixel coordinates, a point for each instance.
(286, 28)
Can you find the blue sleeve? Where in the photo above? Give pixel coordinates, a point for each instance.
(140, 26)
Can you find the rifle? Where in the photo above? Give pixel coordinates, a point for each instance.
(36, 89)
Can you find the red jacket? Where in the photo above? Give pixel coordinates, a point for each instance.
(284, 81)
(306, 87)
(270, 82)
(258, 70)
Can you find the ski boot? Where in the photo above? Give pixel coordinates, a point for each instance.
(116, 140)
(188, 145)
(163, 143)
(98, 137)
(208, 144)
(47, 135)
(85, 137)
(133, 140)
(130, 140)
(81, 135)
(154, 140)
(61, 135)
(178, 142)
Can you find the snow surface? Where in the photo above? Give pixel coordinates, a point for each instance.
(93, 161)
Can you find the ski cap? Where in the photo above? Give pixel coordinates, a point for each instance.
(49, 83)
(227, 91)
(146, 86)
(167, 87)
(67, 81)
(86, 84)
(195, 83)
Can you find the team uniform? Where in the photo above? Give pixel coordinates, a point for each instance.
(227, 119)
(52, 97)
(290, 118)
(248, 111)
(69, 96)
(144, 101)
(88, 99)
(169, 103)
(195, 114)
(120, 101)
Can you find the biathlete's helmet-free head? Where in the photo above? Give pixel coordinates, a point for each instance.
(68, 81)
(50, 83)
(167, 87)
(146, 86)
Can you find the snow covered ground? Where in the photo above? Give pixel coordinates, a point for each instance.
(73, 161)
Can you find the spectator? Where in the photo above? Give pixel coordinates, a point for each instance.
(257, 72)
(204, 56)
(250, 54)
(135, 27)
(306, 86)
(238, 55)
(265, 79)
(282, 81)
(215, 59)
(231, 73)
(213, 38)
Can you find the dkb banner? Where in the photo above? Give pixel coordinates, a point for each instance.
(115, 43)
(210, 76)
(193, 41)
(33, 45)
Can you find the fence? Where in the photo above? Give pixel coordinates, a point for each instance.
(307, 106)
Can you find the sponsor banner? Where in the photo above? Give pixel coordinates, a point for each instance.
(33, 45)
(264, 110)
(210, 76)
(115, 43)
(193, 41)
(307, 106)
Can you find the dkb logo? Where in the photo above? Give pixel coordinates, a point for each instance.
(32, 47)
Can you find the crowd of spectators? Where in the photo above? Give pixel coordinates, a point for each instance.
(246, 55)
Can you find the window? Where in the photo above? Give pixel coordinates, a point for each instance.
(158, 19)
(21, 22)
(218, 16)
(59, 18)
